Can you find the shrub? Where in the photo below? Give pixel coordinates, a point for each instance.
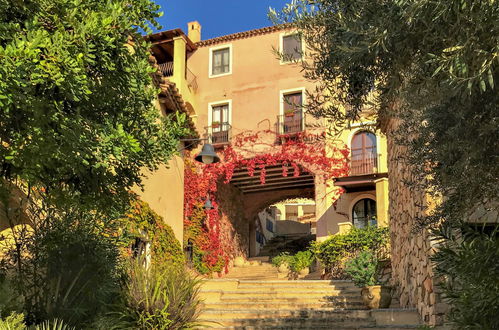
(468, 258)
(363, 269)
(281, 259)
(68, 270)
(157, 298)
(14, 321)
(333, 252)
(301, 260)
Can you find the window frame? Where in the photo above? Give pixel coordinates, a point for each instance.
(284, 92)
(281, 47)
(363, 198)
(210, 63)
(220, 103)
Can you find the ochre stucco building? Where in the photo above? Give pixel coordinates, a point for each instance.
(236, 83)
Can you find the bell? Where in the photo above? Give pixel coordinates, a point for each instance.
(207, 155)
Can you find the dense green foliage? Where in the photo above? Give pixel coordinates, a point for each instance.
(283, 258)
(76, 93)
(362, 269)
(432, 64)
(333, 252)
(301, 260)
(70, 269)
(142, 222)
(156, 298)
(15, 321)
(468, 258)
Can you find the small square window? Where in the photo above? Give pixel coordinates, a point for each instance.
(291, 47)
(220, 61)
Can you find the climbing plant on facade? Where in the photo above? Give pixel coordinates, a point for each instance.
(214, 238)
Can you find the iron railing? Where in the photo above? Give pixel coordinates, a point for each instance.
(166, 68)
(367, 163)
(191, 79)
(219, 133)
(291, 122)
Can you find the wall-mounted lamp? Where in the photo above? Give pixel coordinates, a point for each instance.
(207, 154)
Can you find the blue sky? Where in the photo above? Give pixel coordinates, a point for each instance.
(217, 17)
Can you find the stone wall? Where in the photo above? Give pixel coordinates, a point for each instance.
(412, 271)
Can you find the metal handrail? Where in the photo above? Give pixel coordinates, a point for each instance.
(367, 164)
(166, 68)
(219, 134)
(290, 123)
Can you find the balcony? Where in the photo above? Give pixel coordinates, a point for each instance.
(363, 164)
(166, 68)
(219, 134)
(291, 122)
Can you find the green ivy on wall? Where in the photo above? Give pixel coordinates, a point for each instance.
(143, 223)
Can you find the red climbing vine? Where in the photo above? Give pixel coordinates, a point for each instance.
(211, 232)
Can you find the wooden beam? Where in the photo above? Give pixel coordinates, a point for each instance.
(275, 183)
(269, 178)
(301, 186)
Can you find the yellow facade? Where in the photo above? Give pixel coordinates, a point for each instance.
(253, 89)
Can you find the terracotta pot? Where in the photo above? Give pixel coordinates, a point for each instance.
(304, 272)
(377, 296)
(289, 114)
(283, 268)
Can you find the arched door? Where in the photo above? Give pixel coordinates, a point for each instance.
(364, 213)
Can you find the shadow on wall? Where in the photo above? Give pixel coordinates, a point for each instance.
(287, 227)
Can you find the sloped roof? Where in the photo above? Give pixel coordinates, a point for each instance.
(242, 35)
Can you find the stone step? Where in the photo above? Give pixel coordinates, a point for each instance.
(250, 295)
(291, 323)
(297, 288)
(313, 327)
(286, 304)
(286, 314)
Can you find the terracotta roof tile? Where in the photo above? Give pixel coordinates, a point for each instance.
(241, 35)
(171, 95)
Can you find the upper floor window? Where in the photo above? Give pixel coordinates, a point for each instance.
(291, 47)
(291, 119)
(220, 117)
(219, 128)
(364, 153)
(220, 61)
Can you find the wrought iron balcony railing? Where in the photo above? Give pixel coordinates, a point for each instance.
(291, 122)
(166, 68)
(367, 163)
(219, 133)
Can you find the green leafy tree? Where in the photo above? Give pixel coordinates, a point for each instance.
(432, 64)
(431, 67)
(77, 117)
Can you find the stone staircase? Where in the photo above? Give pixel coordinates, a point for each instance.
(253, 298)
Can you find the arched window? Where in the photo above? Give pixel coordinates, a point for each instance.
(364, 213)
(364, 153)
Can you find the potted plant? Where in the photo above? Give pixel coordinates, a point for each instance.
(363, 270)
(301, 262)
(282, 261)
(289, 113)
(215, 124)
